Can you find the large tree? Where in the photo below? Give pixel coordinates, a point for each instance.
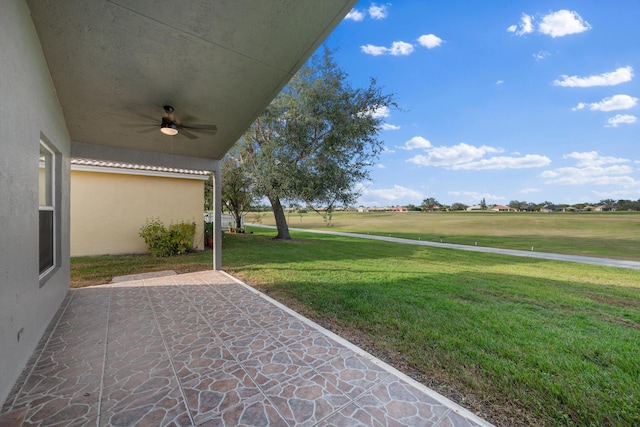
(316, 141)
(236, 187)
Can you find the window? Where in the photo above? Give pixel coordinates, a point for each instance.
(47, 209)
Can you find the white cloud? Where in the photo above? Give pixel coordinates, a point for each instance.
(506, 162)
(401, 48)
(355, 15)
(394, 194)
(619, 119)
(451, 156)
(499, 82)
(468, 157)
(374, 50)
(475, 197)
(524, 27)
(616, 102)
(530, 190)
(430, 41)
(417, 142)
(594, 169)
(621, 75)
(378, 12)
(398, 48)
(381, 166)
(541, 55)
(386, 149)
(632, 192)
(593, 159)
(380, 112)
(611, 175)
(563, 23)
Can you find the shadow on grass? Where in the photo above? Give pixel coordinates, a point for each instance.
(561, 351)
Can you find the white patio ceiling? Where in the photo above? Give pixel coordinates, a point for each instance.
(115, 63)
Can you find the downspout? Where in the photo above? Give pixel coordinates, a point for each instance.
(217, 216)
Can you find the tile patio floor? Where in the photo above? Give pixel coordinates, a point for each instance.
(204, 349)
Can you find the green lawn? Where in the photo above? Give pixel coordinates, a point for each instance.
(524, 340)
(98, 270)
(599, 234)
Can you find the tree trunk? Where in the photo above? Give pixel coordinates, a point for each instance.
(281, 219)
(237, 216)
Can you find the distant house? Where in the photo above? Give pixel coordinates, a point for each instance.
(110, 202)
(363, 209)
(501, 208)
(605, 208)
(475, 208)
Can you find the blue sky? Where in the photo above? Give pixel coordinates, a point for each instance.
(501, 100)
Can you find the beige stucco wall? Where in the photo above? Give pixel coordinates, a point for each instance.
(108, 209)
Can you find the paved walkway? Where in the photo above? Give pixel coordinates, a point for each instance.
(204, 349)
(609, 262)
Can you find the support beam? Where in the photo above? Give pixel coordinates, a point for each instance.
(217, 215)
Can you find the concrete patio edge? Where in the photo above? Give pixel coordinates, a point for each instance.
(431, 393)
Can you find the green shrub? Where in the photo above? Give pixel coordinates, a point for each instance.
(162, 241)
(208, 229)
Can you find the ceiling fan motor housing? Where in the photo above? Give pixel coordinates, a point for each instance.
(168, 127)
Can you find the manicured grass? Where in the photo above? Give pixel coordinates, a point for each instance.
(98, 270)
(525, 341)
(598, 234)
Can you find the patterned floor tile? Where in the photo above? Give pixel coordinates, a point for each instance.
(253, 412)
(304, 402)
(202, 349)
(353, 374)
(270, 368)
(198, 361)
(151, 404)
(212, 394)
(395, 402)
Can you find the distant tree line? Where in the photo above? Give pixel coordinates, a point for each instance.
(431, 204)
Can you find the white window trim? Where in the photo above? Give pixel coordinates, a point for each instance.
(50, 207)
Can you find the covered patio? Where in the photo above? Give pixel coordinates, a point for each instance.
(95, 79)
(205, 349)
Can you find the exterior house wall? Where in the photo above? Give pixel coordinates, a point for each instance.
(30, 112)
(109, 207)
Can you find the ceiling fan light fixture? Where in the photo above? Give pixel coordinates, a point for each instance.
(168, 128)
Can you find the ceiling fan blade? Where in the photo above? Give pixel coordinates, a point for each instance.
(187, 134)
(144, 128)
(201, 127)
(154, 128)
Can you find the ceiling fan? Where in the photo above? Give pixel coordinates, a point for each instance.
(171, 126)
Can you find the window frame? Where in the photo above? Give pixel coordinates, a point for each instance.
(50, 183)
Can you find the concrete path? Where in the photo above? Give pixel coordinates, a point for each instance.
(635, 265)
